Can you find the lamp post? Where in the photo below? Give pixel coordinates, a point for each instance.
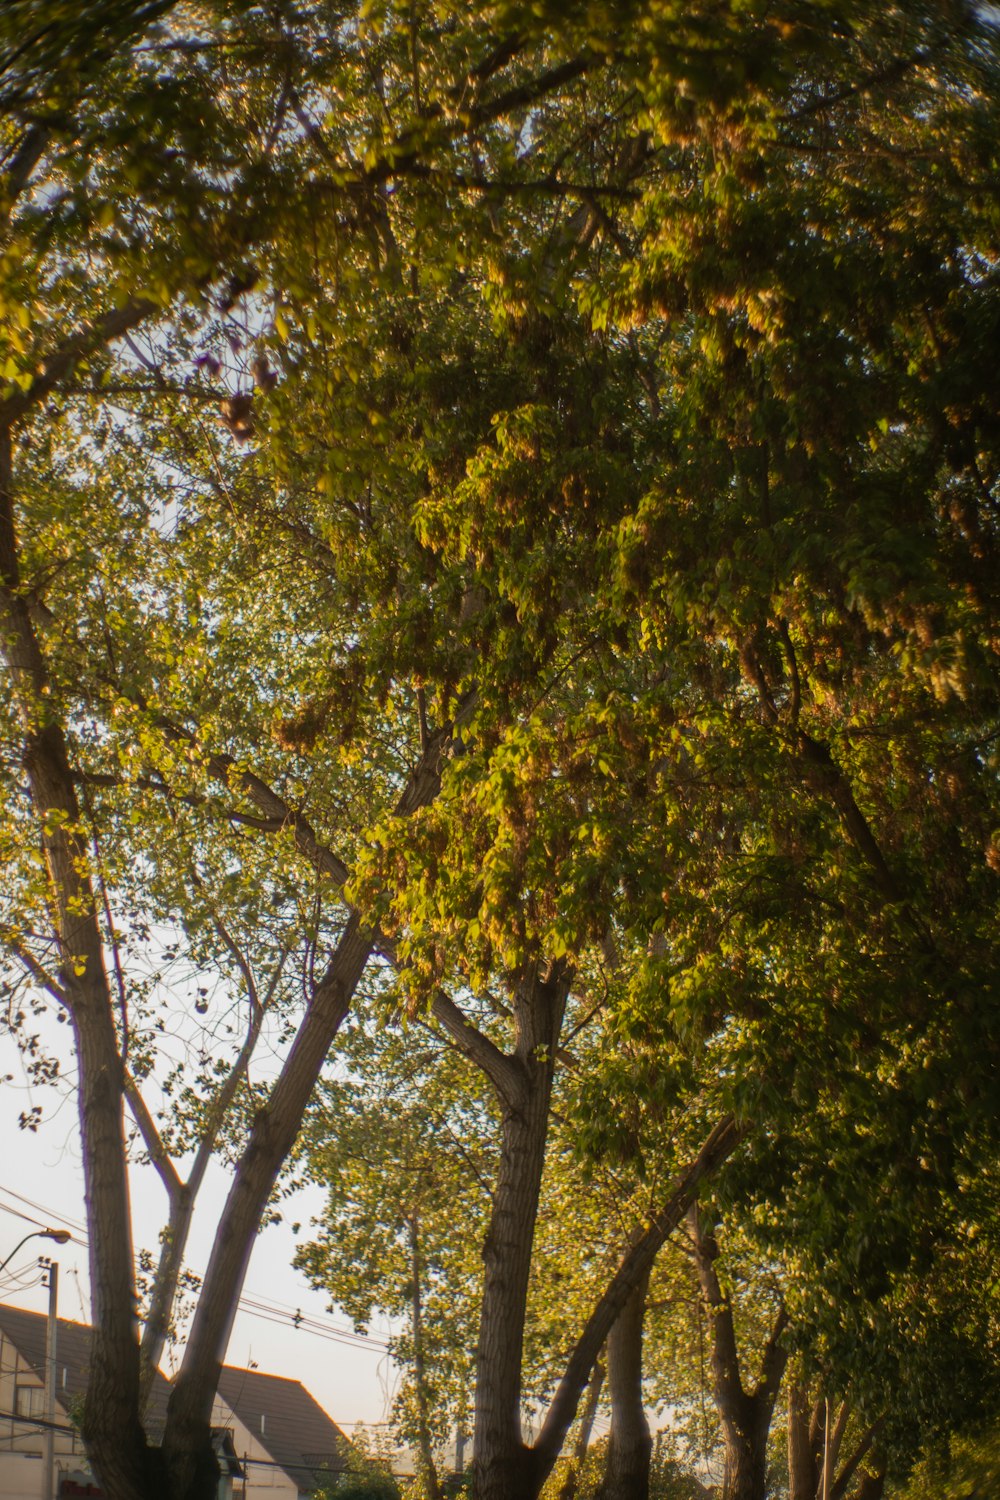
(60, 1236)
(51, 1327)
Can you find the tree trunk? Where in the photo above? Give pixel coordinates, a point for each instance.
(428, 1469)
(833, 1437)
(721, 1141)
(816, 1441)
(502, 1464)
(745, 1427)
(111, 1426)
(626, 1474)
(872, 1486)
(803, 1474)
(189, 1410)
(745, 1417)
(161, 1303)
(503, 1467)
(572, 1478)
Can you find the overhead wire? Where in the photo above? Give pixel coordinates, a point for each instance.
(251, 1304)
(13, 1280)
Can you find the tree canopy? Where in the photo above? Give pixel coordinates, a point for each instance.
(498, 531)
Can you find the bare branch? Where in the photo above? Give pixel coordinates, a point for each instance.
(63, 360)
(719, 1144)
(39, 974)
(151, 1138)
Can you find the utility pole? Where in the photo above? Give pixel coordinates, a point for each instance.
(50, 1381)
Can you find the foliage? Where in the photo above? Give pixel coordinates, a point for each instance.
(967, 1467)
(405, 1153)
(367, 1475)
(669, 1479)
(511, 500)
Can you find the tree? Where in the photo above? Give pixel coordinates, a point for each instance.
(745, 1415)
(620, 463)
(125, 717)
(630, 1444)
(406, 1155)
(820, 1459)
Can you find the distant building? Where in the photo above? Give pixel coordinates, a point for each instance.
(283, 1438)
(273, 1440)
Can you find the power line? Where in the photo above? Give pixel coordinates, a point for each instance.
(27, 1218)
(14, 1281)
(10, 1416)
(38, 1207)
(257, 1463)
(252, 1306)
(312, 1326)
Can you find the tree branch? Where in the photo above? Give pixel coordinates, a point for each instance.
(501, 1070)
(860, 1452)
(774, 1360)
(719, 1144)
(38, 972)
(876, 78)
(725, 1354)
(151, 1138)
(62, 361)
(26, 158)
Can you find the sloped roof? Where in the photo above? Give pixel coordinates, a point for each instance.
(298, 1434)
(297, 1431)
(26, 1331)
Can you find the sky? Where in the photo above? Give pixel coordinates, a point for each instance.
(41, 1185)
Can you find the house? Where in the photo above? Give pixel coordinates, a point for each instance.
(273, 1440)
(284, 1439)
(22, 1396)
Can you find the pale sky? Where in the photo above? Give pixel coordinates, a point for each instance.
(41, 1183)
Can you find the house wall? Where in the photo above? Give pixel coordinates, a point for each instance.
(22, 1445)
(21, 1476)
(264, 1481)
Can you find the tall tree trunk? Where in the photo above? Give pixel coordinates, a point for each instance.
(834, 1427)
(503, 1467)
(745, 1428)
(626, 1475)
(572, 1477)
(111, 1425)
(721, 1141)
(745, 1416)
(161, 1303)
(428, 1469)
(803, 1472)
(816, 1442)
(275, 1127)
(188, 1433)
(854, 1460)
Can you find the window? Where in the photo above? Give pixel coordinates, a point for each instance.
(29, 1401)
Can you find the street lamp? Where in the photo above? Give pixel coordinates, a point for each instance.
(51, 1332)
(59, 1235)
